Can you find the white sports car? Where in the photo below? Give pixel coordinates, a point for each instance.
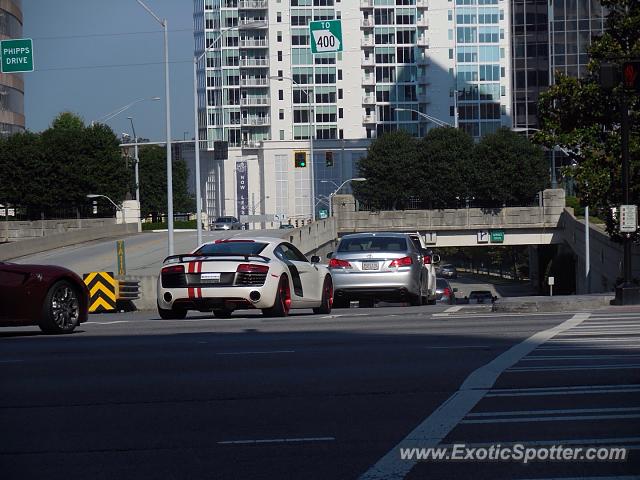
(233, 274)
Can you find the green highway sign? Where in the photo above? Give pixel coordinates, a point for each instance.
(497, 236)
(17, 55)
(326, 36)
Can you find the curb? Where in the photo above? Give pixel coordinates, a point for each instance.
(558, 303)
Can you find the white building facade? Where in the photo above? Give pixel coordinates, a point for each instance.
(262, 91)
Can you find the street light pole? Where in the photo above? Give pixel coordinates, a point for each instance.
(165, 25)
(137, 160)
(110, 115)
(437, 121)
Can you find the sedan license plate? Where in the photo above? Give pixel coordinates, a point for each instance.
(210, 277)
(370, 266)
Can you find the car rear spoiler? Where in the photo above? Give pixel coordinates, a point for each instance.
(213, 257)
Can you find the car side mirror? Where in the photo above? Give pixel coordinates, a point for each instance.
(455, 289)
(435, 258)
(315, 259)
(329, 254)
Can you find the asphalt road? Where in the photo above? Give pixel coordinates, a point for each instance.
(130, 396)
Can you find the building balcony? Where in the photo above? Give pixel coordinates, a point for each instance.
(423, 61)
(254, 42)
(422, 22)
(251, 145)
(366, 3)
(255, 121)
(367, 42)
(252, 5)
(423, 41)
(254, 62)
(255, 102)
(423, 80)
(369, 118)
(254, 82)
(422, 4)
(260, 23)
(368, 100)
(369, 61)
(366, 23)
(370, 80)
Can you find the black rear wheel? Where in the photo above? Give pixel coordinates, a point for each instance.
(61, 309)
(171, 314)
(327, 297)
(282, 302)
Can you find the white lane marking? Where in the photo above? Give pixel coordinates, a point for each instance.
(266, 352)
(277, 440)
(619, 346)
(535, 413)
(559, 368)
(550, 391)
(452, 309)
(457, 346)
(106, 323)
(545, 358)
(618, 477)
(587, 341)
(445, 418)
(497, 315)
(595, 333)
(560, 418)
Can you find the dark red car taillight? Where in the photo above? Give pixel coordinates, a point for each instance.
(172, 276)
(249, 268)
(401, 262)
(446, 292)
(427, 259)
(337, 263)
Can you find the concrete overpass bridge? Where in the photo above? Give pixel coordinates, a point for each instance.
(462, 227)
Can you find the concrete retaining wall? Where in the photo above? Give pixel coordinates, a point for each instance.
(605, 256)
(71, 237)
(22, 230)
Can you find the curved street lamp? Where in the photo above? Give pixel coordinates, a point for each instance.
(95, 195)
(118, 111)
(357, 179)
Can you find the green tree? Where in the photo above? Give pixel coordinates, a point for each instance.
(445, 165)
(584, 119)
(508, 169)
(390, 167)
(153, 183)
(25, 175)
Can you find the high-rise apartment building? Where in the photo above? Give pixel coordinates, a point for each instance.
(12, 84)
(264, 92)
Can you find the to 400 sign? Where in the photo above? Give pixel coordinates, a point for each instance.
(326, 36)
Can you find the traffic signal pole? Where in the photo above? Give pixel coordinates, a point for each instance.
(626, 293)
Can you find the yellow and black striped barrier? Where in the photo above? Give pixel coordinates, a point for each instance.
(102, 291)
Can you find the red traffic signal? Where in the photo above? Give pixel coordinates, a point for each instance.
(631, 75)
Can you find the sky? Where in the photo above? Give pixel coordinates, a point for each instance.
(92, 57)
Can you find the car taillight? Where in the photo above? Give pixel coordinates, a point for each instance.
(337, 263)
(172, 269)
(401, 262)
(427, 259)
(446, 292)
(249, 268)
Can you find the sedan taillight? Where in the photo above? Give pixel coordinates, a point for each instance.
(401, 262)
(337, 263)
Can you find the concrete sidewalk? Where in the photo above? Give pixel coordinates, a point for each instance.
(557, 303)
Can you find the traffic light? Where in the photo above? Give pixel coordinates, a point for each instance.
(631, 75)
(300, 159)
(220, 150)
(328, 157)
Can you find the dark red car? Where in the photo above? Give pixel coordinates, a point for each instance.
(54, 298)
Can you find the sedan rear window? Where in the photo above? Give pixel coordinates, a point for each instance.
(373, 244)
(225, 220)
(231, 248)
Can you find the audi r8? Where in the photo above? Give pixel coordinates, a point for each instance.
(242, 273)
